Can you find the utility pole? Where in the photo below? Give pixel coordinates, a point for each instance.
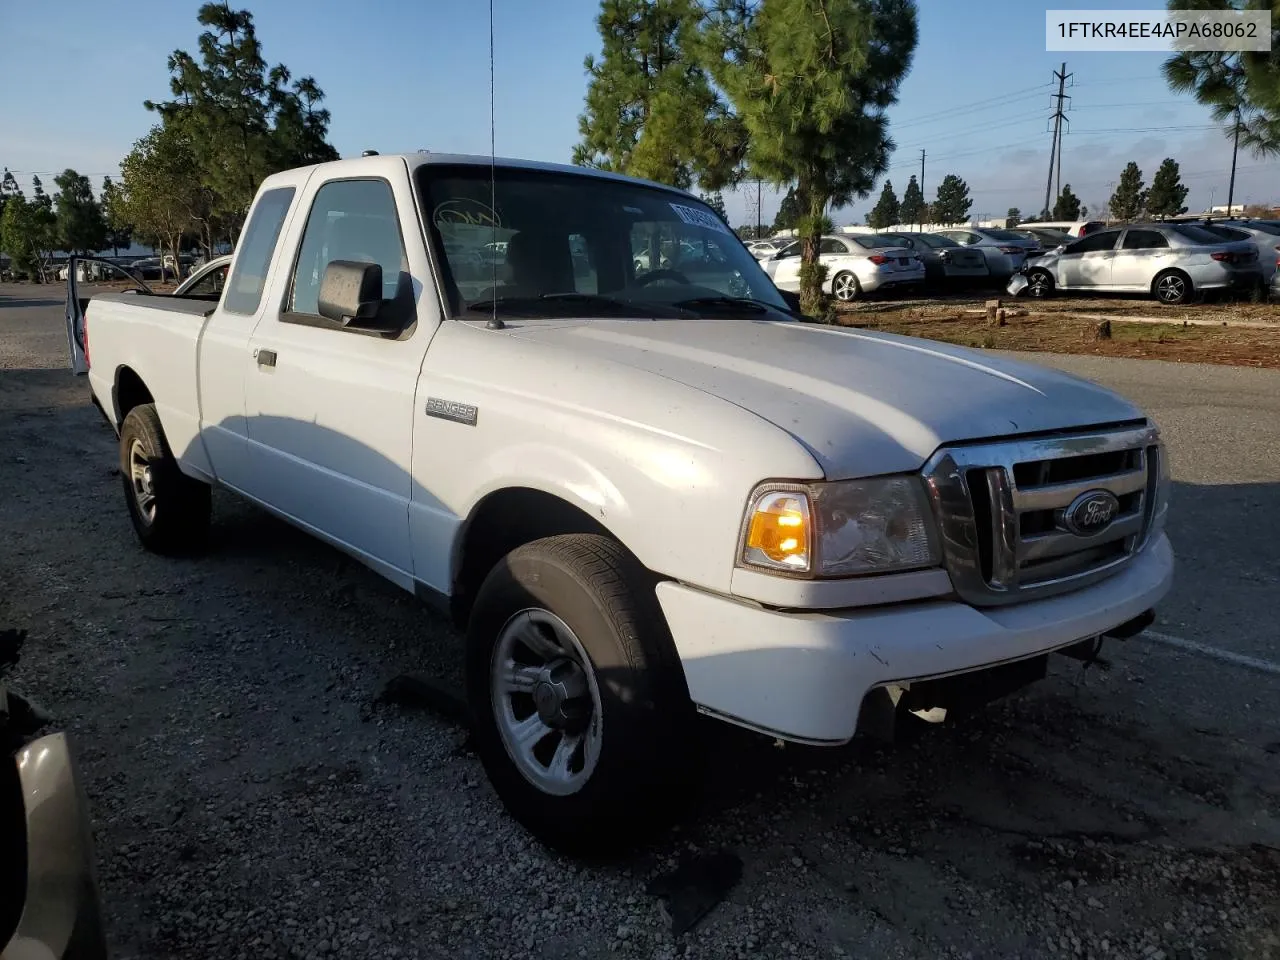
(1059, 118)
(923, 204)
(1235, 145)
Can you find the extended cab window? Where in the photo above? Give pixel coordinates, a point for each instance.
(349, 220)
(257, 245)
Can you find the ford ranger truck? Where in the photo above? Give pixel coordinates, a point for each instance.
(643, 493)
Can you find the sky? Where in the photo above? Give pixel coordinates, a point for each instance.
(403, 76)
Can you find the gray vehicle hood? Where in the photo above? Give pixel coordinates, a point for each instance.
(862, 403)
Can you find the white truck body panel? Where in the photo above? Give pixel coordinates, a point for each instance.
(657, 429)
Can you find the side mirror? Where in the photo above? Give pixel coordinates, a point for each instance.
(351, 293)
(793, 300)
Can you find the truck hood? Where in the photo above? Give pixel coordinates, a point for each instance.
(862, 403)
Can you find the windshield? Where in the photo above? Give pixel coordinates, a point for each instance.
(552, 243)
(933, 240)
(1004, 235)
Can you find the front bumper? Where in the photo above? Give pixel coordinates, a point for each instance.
(803, 676)
(61, 915)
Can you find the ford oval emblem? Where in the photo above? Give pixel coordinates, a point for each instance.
(1091, 513)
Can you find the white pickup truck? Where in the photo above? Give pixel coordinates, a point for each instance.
(643, 493)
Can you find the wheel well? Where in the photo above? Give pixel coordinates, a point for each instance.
(130, 392)
(1168, 270)
(502, 521)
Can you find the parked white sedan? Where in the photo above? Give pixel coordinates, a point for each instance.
(856, 264)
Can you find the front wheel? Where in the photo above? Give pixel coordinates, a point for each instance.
(581, 714)
(845, 287)
(1040, 283)
(169, 510)
(1172, 287)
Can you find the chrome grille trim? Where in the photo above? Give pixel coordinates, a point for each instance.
(1005, 542)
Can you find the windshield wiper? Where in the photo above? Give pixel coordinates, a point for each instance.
(742, 304)
(585, 299)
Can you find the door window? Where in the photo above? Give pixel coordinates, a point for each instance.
(1094, 242)
(1144, 240)
(257, 244)
(210, 285)
(833, 246)
(349, 220)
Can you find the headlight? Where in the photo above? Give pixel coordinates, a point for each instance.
(840, 529)
(1164, 488)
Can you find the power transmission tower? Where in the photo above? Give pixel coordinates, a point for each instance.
(1059, 118)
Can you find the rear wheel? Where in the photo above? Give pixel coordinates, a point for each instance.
(1172, 287)
(581, 715)
(845, 287)
(170, 511)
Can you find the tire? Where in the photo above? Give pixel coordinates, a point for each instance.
(845, 287)
(169, 510)
(1039, 283)
(1172, 287)
(627, 714)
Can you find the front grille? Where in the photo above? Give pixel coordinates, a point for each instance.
(1004, 510)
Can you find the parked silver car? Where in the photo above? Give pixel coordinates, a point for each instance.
(1171, 261)
(1005, 250)
(856, 264)
(944, 259)
(1264, 235)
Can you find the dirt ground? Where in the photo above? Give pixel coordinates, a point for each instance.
(1070, 325)
(254, 796)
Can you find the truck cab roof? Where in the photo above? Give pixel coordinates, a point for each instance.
(386, 163)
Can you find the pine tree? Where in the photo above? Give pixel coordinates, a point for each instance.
(953, 203)
(886, 212)
(1167, 195)
(810, 81)
(1129, 199)
(82, 228)
(1067, 206)
(651, 110)
(716, 202)
(788, 212)
(913, 205)
(242, 121)
(1013, 217)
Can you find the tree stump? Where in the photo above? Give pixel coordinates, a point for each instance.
(1100, 331)
(993, 311)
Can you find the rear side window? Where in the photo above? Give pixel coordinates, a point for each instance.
(257, 245)
(1194, 233)
(833, 246)
(1143, 240)
(1226, 233)
(349, 220)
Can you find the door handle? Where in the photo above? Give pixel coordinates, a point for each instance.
(266, 358)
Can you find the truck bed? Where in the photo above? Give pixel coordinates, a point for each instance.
(194, 306)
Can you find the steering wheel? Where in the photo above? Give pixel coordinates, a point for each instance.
(663, 274)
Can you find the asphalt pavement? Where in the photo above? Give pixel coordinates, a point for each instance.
(255, 796)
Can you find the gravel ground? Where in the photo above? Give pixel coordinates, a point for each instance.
(254, 797)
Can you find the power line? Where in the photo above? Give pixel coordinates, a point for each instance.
(976, 106)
